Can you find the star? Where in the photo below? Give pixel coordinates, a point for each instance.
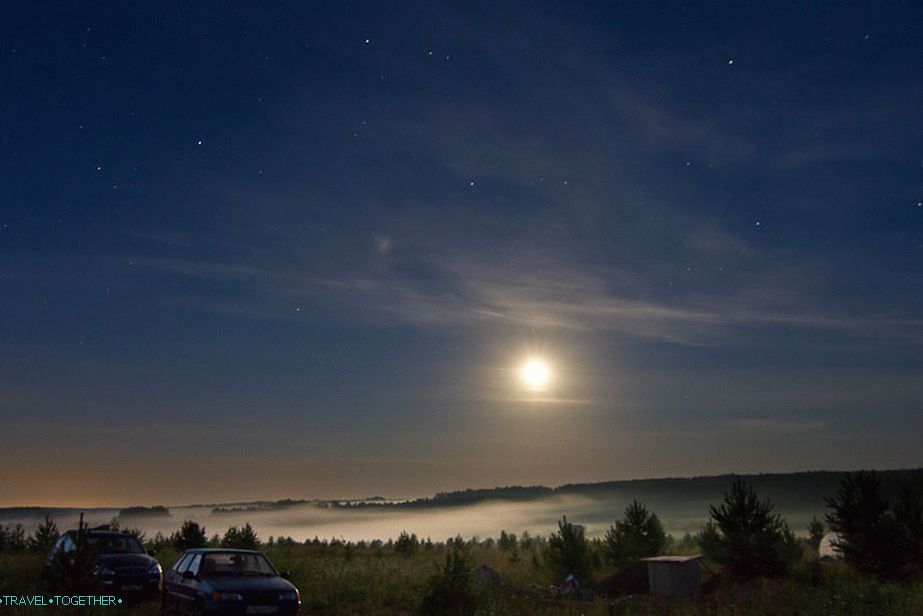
(731, 61)
(368, 41)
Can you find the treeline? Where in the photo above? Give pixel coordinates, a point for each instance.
(156, 510)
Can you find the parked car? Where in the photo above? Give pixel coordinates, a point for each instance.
(225, 581)
(121, 567)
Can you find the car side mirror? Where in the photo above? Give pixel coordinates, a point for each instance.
(189, 575)
(152, 552)
(285, 574)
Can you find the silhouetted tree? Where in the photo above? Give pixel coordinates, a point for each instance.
(241, 538)
(869, 535)
(747, 536)
(507, 541)
(909, 514)
(450, 590)
(13, 538)
(638, 535)
(189, 536)
(568, 552)
(406, 544)
(44, 537)
(816, 531)
(73, 571)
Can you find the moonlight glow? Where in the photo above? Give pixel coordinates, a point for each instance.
(535, 374)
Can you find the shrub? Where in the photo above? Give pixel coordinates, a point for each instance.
(450, 591)
(638, 535)
(568, 552)
(816, 532)
(747, 537)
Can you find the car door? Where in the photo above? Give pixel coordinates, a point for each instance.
(172, 587)
(187, 588)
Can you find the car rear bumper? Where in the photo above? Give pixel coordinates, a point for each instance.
(240, 609)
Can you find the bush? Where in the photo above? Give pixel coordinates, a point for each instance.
(638, 535)
(870, 534)
(747, 537)
(568, 552)
(816, 532)
(449, 591)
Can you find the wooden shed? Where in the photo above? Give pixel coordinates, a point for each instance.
(674, 576)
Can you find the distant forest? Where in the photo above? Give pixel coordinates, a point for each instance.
(786, 490)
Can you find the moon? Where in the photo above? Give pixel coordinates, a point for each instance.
(535, 373)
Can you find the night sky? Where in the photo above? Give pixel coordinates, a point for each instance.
(297, 250)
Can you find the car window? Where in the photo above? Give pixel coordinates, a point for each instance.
(115, 544)
(194, 565)
(180, 565)
(67, 544)
(236, 564)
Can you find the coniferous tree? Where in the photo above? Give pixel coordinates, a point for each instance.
(44, 537)
(869, 534)
(189, 536)
(568, 552)
(243, 538)
(747, 536)
(638, 535)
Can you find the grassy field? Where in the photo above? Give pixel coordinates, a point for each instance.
(371, 580)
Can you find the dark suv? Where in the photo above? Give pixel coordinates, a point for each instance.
(225, 581)
(122, 567)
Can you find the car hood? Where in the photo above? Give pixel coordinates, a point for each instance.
(227, 583)
(119, 561)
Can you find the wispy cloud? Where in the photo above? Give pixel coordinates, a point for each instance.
(526, 293)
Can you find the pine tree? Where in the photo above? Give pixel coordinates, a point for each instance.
(870, 536)
(44, 537)
(747, 536)
(638, 535)
(568, 552)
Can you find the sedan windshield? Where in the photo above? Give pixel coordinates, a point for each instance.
(235, 563)
(115, 544)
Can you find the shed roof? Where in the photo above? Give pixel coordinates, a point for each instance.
(672, 559)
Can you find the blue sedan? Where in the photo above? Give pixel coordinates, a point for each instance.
(226, 581)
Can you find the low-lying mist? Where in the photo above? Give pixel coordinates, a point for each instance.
(303, 521)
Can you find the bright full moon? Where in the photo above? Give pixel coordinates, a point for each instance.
(535, 374)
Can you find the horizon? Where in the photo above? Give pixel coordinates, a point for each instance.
(435, 494)
(335, 249)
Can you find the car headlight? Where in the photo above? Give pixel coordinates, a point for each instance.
(289, 596)
(155, 569)
(227, 596)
